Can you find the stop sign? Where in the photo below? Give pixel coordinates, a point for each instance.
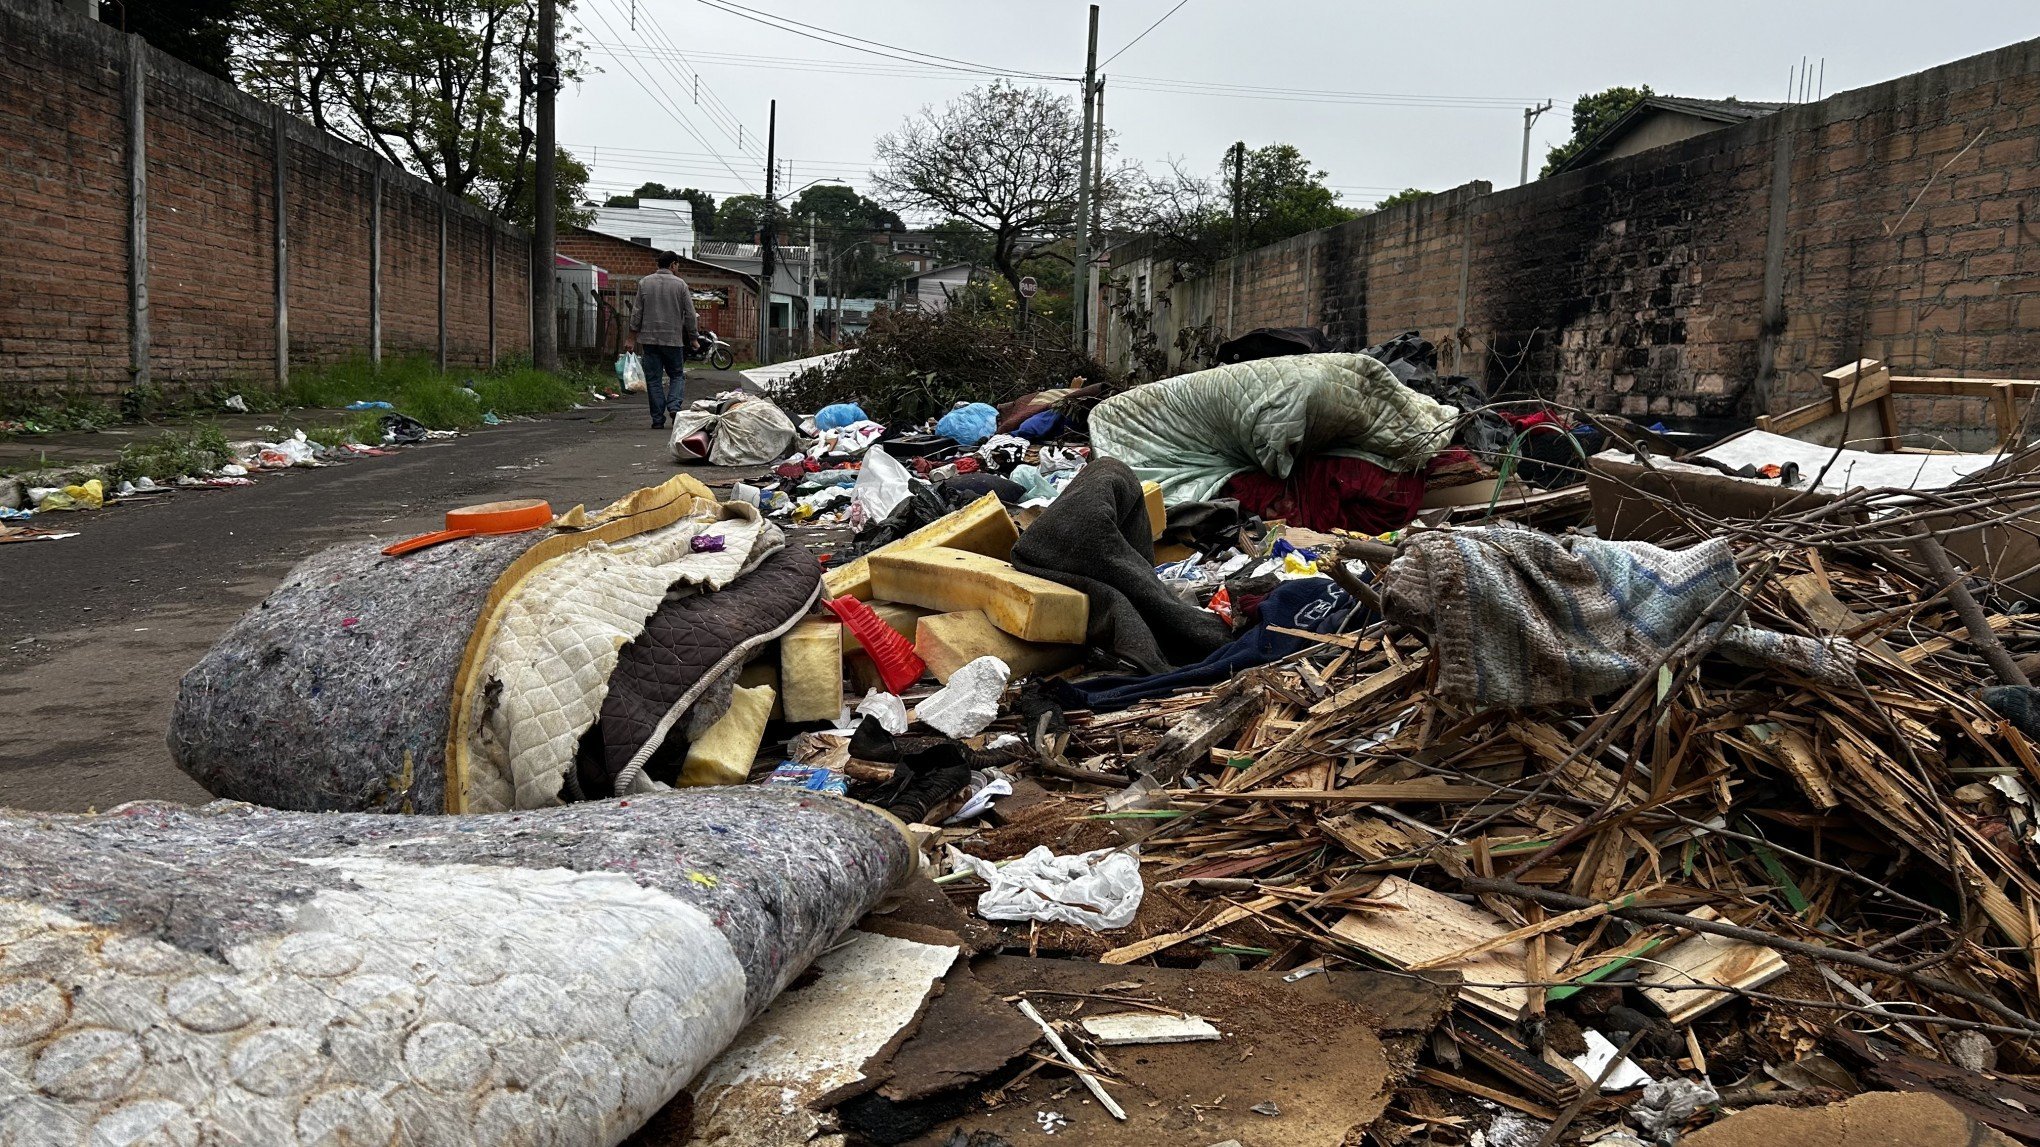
(1027, 287)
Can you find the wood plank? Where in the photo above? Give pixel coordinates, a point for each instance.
(1792, 751)
(1432, 924)
(1859, 384)
(1232, 914)
(1704, 958)
(1431, 792)
(1534, 929)
(953, 581)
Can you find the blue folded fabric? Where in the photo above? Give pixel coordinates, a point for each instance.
(1047, 424)
(1313, 604)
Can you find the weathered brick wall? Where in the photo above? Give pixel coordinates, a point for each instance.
(1719, 276)
(212, 207)
(63, 211)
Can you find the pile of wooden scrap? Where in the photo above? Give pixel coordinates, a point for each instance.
(1719, 888)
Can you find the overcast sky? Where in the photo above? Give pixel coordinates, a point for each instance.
(1423, 95)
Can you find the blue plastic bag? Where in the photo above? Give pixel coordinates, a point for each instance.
(1046, 424)
(970, 423)
(839, 415)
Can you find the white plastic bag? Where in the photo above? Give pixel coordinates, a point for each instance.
(970, 701)
(881, 485)
(631, 369)
(750, 433)
(1097, 890)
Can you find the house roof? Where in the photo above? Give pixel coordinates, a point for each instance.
(937, 272)
(686, 263)
(1719, 111)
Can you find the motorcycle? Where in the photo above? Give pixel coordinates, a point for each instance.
(711, 347)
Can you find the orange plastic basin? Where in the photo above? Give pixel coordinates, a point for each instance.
(511, 517)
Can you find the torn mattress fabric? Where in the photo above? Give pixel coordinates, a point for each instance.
(1193, 433)
(232, 974)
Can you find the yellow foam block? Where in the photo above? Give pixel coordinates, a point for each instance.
(950, 641)
(723, 755)
(951, 581)
(811, 670)
(982, 527)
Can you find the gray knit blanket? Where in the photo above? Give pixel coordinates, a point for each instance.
(1518, 617)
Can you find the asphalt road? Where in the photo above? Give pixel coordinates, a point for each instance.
(96, 630)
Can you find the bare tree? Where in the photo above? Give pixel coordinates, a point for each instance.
(1003, 158)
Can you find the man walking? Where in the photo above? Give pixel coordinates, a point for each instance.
(662, 330)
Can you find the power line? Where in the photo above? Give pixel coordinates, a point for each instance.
(728, 120)
(1143, 35)
(875, 48)
(668, 109)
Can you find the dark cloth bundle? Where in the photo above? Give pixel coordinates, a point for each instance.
(1095, 537)
(1312, 604)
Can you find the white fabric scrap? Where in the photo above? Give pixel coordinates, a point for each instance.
(1097, 890)
(988, 786)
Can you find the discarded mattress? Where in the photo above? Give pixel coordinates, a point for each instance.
(229, 974)
(1194, 432)
(459, 678)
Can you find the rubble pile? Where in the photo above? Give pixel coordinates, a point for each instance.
(1307, 750)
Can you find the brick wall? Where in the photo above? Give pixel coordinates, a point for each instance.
(211, 218)
(1719, 276)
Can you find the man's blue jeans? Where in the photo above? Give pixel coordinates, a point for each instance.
(661, 363)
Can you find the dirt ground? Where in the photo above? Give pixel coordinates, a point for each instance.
(96, 630)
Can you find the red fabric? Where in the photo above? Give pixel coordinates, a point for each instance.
(967, 465)
(1333, 493)
(1526, 421)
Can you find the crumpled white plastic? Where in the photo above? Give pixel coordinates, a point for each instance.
(1666, 1104)
(1097, 890)
(881, 485)
(889, 711)
(970, 701)
(987, 785)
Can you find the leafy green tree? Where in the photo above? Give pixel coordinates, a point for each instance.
(960, 241)
(1280, 194)
(1004, 159)
(199, 32)
(646, 190)
(844, 223)
(441, 88)
(1590, 114)
(570, 182)
(1403, 196)
(737, 220)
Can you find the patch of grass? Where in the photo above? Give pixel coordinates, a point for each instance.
(172, 455)
(453, 400)
(53, 412)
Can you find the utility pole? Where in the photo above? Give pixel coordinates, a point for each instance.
(1091, 298)
(765, 240)
(810, 347)
(545, 343)
(1083, 301)
(1239, 174)
(1529, 117)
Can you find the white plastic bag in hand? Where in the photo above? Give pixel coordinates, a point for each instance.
(631, 369)
(1097, 890)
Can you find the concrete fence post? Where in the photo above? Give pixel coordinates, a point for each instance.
(280, 171)
(492, 293)
(134, 90)
(442, 281)
(375, 197)
(1786, 123)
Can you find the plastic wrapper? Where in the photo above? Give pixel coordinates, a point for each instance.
(1097, 890)
(630, 370)
(881, 486)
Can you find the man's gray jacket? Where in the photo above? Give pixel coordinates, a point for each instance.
(665, 310)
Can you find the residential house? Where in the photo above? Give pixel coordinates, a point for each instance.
(725, 301)
(667, 224)
(1656, 121)
(789, 278)
(932, 290)
(915, 250)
